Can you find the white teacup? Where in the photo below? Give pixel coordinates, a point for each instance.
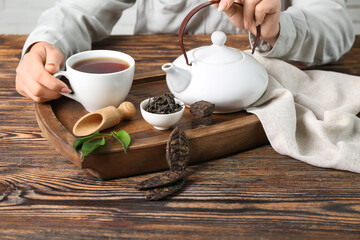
(98, 90)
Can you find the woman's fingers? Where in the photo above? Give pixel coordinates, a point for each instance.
(54, 59)
(249, 13)
(254, 13)
(34, 80)
(46, 79)
(264, 8)
(37, 96)
(224, 5)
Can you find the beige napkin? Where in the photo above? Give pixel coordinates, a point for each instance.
(311, 115)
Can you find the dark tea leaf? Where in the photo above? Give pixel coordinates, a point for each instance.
(177, 157)
(177, 150)
(163, 179)
(160, 193)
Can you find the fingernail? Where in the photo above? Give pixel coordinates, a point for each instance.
(65, 90)
(222, 6)
(257, 23)
(246, 25)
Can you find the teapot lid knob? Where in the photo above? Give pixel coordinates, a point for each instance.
(218, 38)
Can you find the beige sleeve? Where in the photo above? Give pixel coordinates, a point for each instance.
(72, 25)
(312, 32)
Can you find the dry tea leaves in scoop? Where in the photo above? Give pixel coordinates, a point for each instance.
(164, 104)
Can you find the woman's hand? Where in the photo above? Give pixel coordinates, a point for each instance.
(253, 13)
(34, 77)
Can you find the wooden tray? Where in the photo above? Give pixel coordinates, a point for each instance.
(232, 133)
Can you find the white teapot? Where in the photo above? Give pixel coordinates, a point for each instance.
(227, 77)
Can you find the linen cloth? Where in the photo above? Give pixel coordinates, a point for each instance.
(311, 115)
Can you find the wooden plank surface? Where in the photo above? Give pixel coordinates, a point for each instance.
(256, 194)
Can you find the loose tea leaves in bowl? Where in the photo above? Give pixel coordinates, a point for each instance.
(164, 104)
(162, 112)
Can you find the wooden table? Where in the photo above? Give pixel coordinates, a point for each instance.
(256, 194)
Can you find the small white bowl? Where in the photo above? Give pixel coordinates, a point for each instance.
(161, 121)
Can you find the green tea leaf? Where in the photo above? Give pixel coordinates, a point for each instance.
(123, 137)
(89, 147)
(80, 141)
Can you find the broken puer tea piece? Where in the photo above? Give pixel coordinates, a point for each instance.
(202, 112)
(177, 157)
(202, 108)
(202, 121)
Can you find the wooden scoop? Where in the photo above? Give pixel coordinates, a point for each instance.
(103, 118)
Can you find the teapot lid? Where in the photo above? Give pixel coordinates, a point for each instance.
(218, 53)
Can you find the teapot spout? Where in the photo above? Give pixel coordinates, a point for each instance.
(178, 78)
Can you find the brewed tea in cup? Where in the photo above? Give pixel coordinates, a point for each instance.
(99, 78)
(101, 65)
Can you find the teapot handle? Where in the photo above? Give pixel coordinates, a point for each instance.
(195, 10)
